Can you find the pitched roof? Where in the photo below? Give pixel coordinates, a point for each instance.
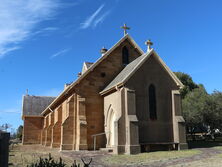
(124, 73)
(34, 105)
(131, 68)
(126, 37)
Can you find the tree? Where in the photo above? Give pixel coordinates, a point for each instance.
(200, 109)
(194, 105)
(188, 83)
(19, 132)
(216, 109)
(5, 127)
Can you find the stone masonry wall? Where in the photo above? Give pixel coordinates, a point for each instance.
(32, 130)
(161, 129)
(77, 132)
(92, 84)
(56, 129)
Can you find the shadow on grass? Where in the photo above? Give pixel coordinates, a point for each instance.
(203, 144)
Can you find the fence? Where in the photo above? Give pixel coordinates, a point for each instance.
(4, 149)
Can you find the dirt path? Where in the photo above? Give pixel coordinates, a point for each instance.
(87, 155)
(97, 156)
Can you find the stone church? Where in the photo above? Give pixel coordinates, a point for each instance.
(127, 101)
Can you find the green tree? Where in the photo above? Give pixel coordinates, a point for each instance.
(19, 132)
(194, 105)
(215, 106)
(188, 83)
(200, 108)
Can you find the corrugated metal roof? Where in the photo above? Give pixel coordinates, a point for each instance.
(35, 105)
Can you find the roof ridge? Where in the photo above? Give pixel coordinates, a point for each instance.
(127, 36)
(131, 71)
(39, 96)
(135, 63)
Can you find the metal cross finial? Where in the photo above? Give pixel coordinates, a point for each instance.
(124, 27)
(149, 44)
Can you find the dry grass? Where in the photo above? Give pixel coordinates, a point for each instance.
(21, 156)
(218, 147)
(148, 158)
(215, 161)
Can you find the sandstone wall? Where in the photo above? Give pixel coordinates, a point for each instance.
(161, 129)
(32, 130)
(91, 85)
(84, 116)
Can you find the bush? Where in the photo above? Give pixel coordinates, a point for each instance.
(50, 162)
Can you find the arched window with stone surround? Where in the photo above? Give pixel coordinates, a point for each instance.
(125, 56)
(152, 102)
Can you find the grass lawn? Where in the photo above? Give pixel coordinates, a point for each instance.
(147, 158)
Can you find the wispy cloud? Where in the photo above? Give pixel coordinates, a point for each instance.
(59, 53)
(101, 19)
(5, 50)
(19, 18)
(46, 30)
(10, 111)
(93, 20)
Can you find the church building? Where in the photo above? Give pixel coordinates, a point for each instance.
(127, 101)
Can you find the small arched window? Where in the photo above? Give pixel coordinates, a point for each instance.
(125, 56)
(152, 102)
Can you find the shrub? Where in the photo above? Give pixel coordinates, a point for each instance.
(50, 162)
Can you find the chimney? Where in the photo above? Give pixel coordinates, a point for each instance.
(103, 51)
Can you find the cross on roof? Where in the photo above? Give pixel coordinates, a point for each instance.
(149, 44)
(124, 27)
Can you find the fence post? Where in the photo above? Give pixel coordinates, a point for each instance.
(4, 148)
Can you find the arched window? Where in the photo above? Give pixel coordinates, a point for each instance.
(125, 56)
(152, 102)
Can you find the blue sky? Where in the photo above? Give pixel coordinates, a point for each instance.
(43, 43)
